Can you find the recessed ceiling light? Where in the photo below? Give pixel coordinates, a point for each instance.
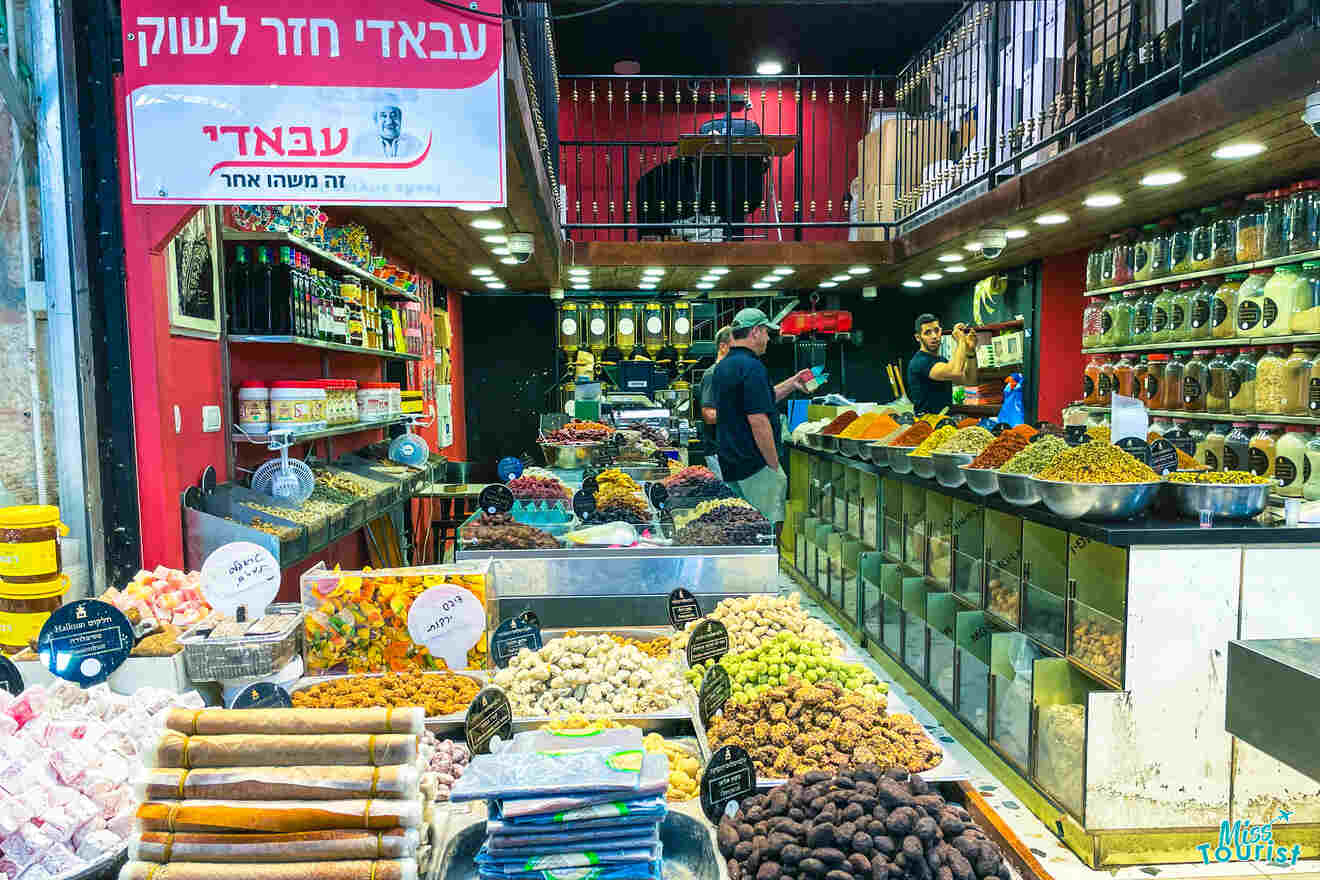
(770, 68)
(955, 268)
(770, 279)
(722, 270)
(1238, 151)
(647, 285)
(839, 277)
(1053, 219)
(496, 285)
(782, 270)
(494, 239)
(500, 251)
(950, 258)
(476, 209)
(932, 276)
(704, 285)
(582, 287)
(709, 278)
(579, 273)
(829, 284)
(482, 270)
(912, 282)
(973, 246)
(1015, 232)
(1163, 178)
(859, 270)
(654, 269)
(1102, 200)
(761, 285)
(509, 261)
(487, 223)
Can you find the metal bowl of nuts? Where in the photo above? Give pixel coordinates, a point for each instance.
(1096, 501)
(1018, 489)
(922, 465)
(948, 467)
(898, 459)
(982, 481)
(1229, 500)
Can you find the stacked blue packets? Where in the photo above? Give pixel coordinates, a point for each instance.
(569, 806)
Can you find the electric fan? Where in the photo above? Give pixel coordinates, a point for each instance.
(281, 478)
(409, 448)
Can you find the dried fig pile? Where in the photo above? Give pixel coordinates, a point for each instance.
(862, 824)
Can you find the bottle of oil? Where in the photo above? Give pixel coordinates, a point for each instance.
(238, 278)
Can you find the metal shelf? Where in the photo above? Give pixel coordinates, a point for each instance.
(1206, 273)
(1268, 418)
(1230, 342)
(976, 409)
(285, 238)
(309, 436)
(317, 343)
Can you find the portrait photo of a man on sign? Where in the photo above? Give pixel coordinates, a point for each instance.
(386, 138)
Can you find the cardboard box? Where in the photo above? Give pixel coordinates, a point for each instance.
(924, 141)
(877, 207)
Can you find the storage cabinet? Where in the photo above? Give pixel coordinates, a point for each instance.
(939, 548)
(891, 501)
(968, 549)
(1097, 586)
(1003, 562)
(1045, 585)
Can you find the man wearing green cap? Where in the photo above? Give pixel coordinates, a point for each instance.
(747, 430)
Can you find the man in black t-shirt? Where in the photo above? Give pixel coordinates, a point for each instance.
(709, 410)
(930, 378)
(747, 427)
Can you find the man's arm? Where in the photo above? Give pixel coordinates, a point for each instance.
(955, 369)
(708, 414)
(969, 369)
(765, 439)
(786, 387)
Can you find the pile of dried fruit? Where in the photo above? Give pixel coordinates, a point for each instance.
(500, 531)
(530, 487)
(580, 432)
(439, 693)
(758, 618)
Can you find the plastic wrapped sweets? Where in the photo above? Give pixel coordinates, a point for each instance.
(278, 816)
(299, 846)
(598, 816)
(263, 750)
(221, 722)
(359, 869)
(278, 783)
(655, 781)
(625, 865)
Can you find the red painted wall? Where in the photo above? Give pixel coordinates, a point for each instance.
(454, 304)
(827, 162)
(1060, 344)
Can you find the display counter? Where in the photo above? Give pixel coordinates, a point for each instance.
(1089, 656)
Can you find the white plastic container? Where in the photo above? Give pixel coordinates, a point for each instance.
(373, 401)
(396, 399)
(297, 406)
(254, 407)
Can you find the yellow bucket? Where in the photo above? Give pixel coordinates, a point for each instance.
(30, 544)
(24, 609)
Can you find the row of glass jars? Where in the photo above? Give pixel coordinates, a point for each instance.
(1261, 226)
(1265, 302)
(1279, 380)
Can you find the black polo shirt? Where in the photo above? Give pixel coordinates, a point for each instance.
(927, 395)
(742, 387)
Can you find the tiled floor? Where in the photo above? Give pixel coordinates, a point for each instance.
(1053, 855)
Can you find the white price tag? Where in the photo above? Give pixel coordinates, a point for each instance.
(447, 621)
(243, 574)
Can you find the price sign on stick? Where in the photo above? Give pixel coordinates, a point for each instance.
(447, 621)
(709, 641)
(489, 715)
(1163, 457)
(1137, 448)
(85, 642)
(240, 574)
(512, 636)
(262, 695)
(10, 680)
(716, 688)
(729, 778)
(683, 608)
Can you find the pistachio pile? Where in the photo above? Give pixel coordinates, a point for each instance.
(756, 619)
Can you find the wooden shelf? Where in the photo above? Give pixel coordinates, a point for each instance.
(1267, 418)
(1206, 273)
(293, 240)
(1231, 342)
(317, 343)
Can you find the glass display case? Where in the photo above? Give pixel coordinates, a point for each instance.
(815, 485)
(1097, 589)
(806, 552)
(1060, 700)
(914, 625)
(914, 527)
(834, 578)
(872, 570)
(852, 551)
(839, 487)
(1012, 658)
(1003, 566)
(941, 618)
(891, 499)
(820, 570)
(853, 493)
(972, 631)
(968, 544)
(1045, 585)
(868, 507)
(891, 604)
(939, 528)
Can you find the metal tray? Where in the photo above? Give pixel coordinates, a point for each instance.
(435, 722)
(243, 656)
(879, 454)
(829, 442)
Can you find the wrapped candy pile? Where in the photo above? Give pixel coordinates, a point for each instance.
(165, 595)
(67, 758)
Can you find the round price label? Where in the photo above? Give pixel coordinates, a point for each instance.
(716, 688)
(496, 498)
(85, 642)
(509, 468)
(683, 608)
(447, 621)
(10, 680)
(262, 695)
(729, 778)
(489, 715)
(709, 641)
(584, 503)
(1163, 457)
(241, 574)
(512, 636)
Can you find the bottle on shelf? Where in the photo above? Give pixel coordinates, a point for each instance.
(1290, 460)
(259, 293)
(238, 280)
(281, 293)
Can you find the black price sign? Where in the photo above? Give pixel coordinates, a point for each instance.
(584, 503)
(262, 695)
(658, 494)
(683, 608)
(85, 642)
(1039, 436)
(589, 483)
(496, 498)
(905, 418)
(529, 617)
(512, 636)
(716, 688)
(729, 778)
(10, 680)
(999, 428)
(1043, 424)
(1180, 439)
(1138, 449)
(489, 715)
(1075, 435)
(709, 642)
(1163, 457)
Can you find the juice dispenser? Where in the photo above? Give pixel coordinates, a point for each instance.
(598, 328)
(653, 328)
(680, 327)
(570, 328)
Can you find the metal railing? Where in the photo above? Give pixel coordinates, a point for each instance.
(719, 159)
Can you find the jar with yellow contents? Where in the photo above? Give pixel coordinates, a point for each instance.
(32, 584)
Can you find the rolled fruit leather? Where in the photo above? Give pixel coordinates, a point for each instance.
(219, 722)
(298, 846)
(278, 783)
(279, 816)
(174, 749)
(358, 869)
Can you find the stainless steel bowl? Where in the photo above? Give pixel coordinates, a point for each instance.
(982, 481)
(813, 440)
(948, 467)
(1229, 500)
(851, 447)
(1019, 489)
(578, 455)
(879, 454)
(898, 458)
(923, 466)
(829, 442)
(1096, 501)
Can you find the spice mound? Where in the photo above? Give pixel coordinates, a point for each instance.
(867, 822)
(439, 693)
(913, 435)
(973, 439)
(759, 618)
(880, 427)
(1221, 478)
(500, 531)
(801, 726)
(1006, 445)
(936, 439)
(1036, 457)
(1187, 463)
(841, 421)
(1098, 463)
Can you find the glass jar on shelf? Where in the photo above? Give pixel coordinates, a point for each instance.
(1197, 431)
(1303, 217)
(1143, 253)
(1094, 385)
(1264, 449)
(1311, 486)
(1242, 382)
(1290, 460)
(1297, 377)
(1140, 371)
(1160, 309)
(1273, 235)
(1153, 380)
(1107, 261)
(1161, 255)
(1250, 309)
(1250, 229)
(1124, 374)
(1216, 395)
(1093, 267)
(1180, 310)
(1093, 325)
(1271, 391)
(1116, 319)
(1223, 235)
(1159, 426)
(1124, 255)
(1196, 381)
(1203, 239)
(1200, 307)
(1106, 383)
(1180, 242)
(1141, 303)
(1306, 308)
(1173, 377)
(1237, 444)
(1212, 455)
(1223, 310)
(1282, 292)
